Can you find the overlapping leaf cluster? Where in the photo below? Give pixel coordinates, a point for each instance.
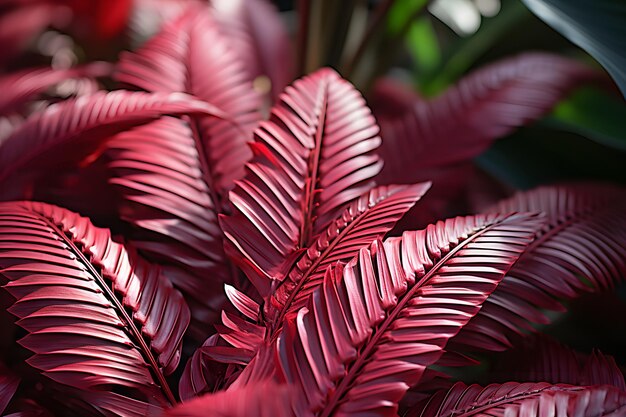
(251, 267)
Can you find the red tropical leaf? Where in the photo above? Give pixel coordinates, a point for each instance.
(542, 359)
(20, 25)
(95, 314)
(390, 97)
(214, 365)
(20, 87)
(9, 382)
(257, 34)
(191, 55)
(461, 123)
(164, 194)
(28, 91)
(580, 250)
(526, 400)
(369, 332)
(218, 362)
(244, 304)
(71, 130)
(110, 403)
(103, 19)
(366, 219)
(313, 156)
(28, 408)
(174, 175)
(263, 400)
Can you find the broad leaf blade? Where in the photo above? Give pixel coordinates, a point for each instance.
(156, 170)
(313, 156)
(597, 27)
(95, 314)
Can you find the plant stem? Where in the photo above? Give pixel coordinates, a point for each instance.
(315, 35)
(378, 19)
(385, 51)
(304, 10)
(337, 32)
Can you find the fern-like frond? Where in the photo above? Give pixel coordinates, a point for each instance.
(370, 330)
(96, 315)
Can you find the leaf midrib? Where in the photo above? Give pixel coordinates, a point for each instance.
(472, 409)
(207, 174)
(144, 349)
(575, 217)
(380, 330)
(354, 223)
(307, 224)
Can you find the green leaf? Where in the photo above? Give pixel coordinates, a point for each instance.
(597, 26)
(401, 13)
(423, 45)
(593, 114)
(464, 52)
(539, 155)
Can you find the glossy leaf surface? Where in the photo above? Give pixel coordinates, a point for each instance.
(22, 86)
(191, 55)
(174, 175)
(580, 250)
(369, 332)
(259, 38)
(71, 130)
(597, 27)
(368, 218)
(95, 314)
(314, 155)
